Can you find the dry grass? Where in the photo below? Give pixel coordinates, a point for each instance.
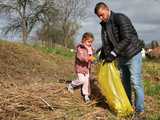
(23, 64)
(29, 77)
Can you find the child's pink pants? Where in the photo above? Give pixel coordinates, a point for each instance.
(84, 81)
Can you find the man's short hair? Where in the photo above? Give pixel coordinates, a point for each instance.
(100, 5)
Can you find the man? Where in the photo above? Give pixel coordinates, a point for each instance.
(120, 41)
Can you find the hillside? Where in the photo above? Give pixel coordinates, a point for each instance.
(21, 63)
(30, 77)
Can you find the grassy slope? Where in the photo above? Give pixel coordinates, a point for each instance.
(151, 73)
(28, 74)
(24, 63)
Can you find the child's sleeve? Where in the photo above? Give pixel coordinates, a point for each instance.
(82, 54)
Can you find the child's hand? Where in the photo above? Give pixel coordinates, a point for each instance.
(91, 58)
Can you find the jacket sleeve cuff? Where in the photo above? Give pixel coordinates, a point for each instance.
(114, 53)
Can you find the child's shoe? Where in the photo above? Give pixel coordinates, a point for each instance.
(70, 88)
(87, 99)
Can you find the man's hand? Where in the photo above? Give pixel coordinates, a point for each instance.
(110, 57)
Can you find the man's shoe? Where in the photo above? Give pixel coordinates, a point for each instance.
(141, 115)
(70, 88)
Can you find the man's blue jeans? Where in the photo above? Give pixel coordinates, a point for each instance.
(131, 73)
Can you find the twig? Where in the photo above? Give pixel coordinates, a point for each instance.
(96, 102)
(49, 106)
(59, 90)
(90, 114)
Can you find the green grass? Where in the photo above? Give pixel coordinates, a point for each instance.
(154, 117)
(59, 50)
(151, 73)
(65, 52)
(151, 67)
(151, 89)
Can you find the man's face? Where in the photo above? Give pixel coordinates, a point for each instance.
(103, 14)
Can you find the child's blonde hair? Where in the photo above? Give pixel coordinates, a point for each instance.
(87, 35)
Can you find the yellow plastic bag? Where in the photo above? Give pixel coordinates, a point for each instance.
(112, 88)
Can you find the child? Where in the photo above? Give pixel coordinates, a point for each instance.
(83, 59)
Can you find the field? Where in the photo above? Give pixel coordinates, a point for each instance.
(33, 87)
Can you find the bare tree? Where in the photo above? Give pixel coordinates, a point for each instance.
(71, 12)
(23, 15)
(154, 44)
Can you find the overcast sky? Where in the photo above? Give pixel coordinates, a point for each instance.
(144, 14)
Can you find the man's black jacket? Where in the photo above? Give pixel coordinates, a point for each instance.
(119, 35)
